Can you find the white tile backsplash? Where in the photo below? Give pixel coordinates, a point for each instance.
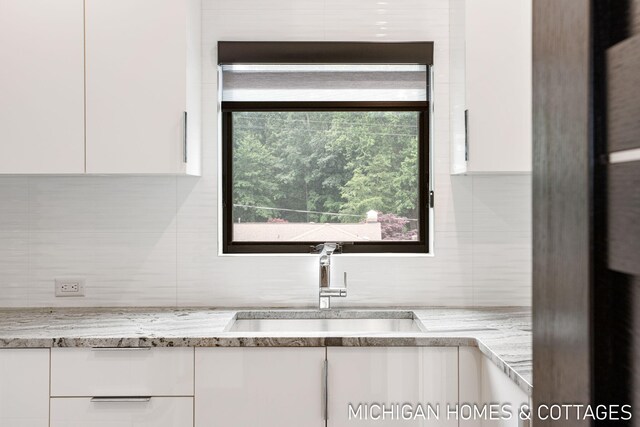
(14, 268)
(121, 269)
(454, 204)
(104, 204)
(153, 241)
(502, 268)
(502, 203)
(14, 204)
(197, 204)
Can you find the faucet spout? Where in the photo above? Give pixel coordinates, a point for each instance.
(325, 272)
(326, 291)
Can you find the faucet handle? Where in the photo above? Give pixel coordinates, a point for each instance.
(330, 248)
(316, 249)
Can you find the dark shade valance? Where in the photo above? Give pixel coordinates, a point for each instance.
(325, 53)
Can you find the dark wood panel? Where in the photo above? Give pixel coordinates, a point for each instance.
(624, 217)
(633, 341)
(623, 99)
(233, 52)
(635, 17)
(611, 308)
(561, 213)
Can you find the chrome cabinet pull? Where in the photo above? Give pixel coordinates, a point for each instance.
(466, 135)
(184, 139)
(120, 348)
(325, 390)
(121, 399)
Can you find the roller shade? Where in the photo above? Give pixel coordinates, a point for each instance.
(324, 82)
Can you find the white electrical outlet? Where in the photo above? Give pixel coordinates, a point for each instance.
(69, 287)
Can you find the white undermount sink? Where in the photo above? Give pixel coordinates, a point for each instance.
(349, 322)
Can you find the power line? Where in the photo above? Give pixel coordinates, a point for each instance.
(296, 210)
(412, 135)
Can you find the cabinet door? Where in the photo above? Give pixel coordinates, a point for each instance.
(483, 383)
(155, 412)
(364, 377)
(41, 86)
(24, 387)
(498, 84)
(138, 84)
(259, 387)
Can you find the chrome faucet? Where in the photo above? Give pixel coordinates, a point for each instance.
(326, 291)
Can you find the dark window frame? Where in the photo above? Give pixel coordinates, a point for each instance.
(419, 246)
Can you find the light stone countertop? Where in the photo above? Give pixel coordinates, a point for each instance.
(502, 334)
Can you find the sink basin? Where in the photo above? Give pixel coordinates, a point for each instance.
(352, 322)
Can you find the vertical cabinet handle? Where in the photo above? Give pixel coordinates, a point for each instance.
(466, 135)
(184, 138)
(325, 390)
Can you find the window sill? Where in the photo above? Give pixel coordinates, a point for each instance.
(351, 255)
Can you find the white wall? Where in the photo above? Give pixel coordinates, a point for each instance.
(154, 241)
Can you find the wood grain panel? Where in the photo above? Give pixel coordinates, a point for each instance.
(624, 212)
(633, 328)
(623, 103)
(561, 231)
(635, 16)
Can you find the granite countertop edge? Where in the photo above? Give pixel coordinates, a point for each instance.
(484, 329)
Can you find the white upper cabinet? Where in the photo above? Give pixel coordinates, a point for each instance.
(41, 86)
(142, 85)
(100, 87)
(497, 67)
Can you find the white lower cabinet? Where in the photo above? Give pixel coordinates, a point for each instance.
(24, 387)
(251, 386)
(483, 384)
(122, 387)
(156, 412)
(265, 387)
(144, 371)
(259, 387)
(371, 379)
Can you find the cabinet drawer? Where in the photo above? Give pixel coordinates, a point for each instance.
(122, 372)
(156, 412)
(24, 387)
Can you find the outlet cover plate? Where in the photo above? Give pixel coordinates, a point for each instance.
(70, 287)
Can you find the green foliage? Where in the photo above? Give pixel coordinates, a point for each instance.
(339, 162)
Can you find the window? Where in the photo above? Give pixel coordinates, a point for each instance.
(317, 153)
